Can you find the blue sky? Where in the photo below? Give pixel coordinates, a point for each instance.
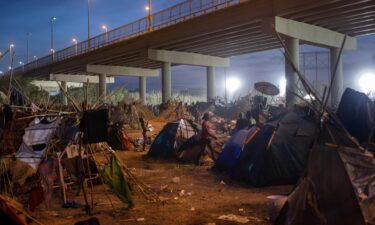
(21, 16)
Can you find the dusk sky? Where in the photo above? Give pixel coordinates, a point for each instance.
(21, 16)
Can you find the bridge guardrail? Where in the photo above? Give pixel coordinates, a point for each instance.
(164, 18)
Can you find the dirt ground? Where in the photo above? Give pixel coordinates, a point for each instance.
(199, 197)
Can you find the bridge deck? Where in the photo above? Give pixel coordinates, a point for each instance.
(213, 27)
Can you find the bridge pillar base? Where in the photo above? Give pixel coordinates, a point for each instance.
(210, 83)
(292, 45)
(338, 83)
(64, 99)
(103, 87)
(166, 82)
(142, 89)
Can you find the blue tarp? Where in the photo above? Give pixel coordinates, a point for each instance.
(232, 149)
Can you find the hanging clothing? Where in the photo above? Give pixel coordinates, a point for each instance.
(94, 125)
(16, 97)
(116, 180)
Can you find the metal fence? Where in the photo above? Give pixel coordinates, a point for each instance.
(167, 17)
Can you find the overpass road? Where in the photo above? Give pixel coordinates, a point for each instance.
(220, 28)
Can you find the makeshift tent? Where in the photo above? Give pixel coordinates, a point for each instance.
(357, 113)
(118, 139)
(171, 138)
(233, 148)
(191, 151)
(277, 154)
(338, 186)
(36, 140)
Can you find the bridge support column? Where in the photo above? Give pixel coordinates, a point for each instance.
(166, 82)
(292, 45)
(338, 82)
(142, 89)
(103, 86)
(210, 83)
(64, 99)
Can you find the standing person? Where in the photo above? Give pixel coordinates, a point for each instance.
(206, 137)
(241, 123)
(144, 132)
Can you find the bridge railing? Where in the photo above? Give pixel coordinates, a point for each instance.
(167, 17)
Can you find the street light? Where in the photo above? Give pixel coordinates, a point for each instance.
(23, 65)
(74, 40)
(28, 34)
(104, 27)
(88, 24)
(11, 46)
(53, 19)
(367, 83)
(149, 9)
(36, 60)
(52, 54)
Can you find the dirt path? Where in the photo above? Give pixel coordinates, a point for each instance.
(199, 197)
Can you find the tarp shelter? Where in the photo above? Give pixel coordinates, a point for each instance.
(233, 148)
(338, 186)
(277, 155)
(171, 138)
(357, 113)
(35, 141)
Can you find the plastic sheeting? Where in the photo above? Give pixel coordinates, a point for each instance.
(35, 142)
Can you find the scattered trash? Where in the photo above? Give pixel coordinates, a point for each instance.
(182, 193)
(240, 210)
(189, 194)
(72, 205)
(175, 198)
(192, 209)
(91, 221)
(222, 182)
(234, 218)
(140, 219)
(210, 224)
(176, 180)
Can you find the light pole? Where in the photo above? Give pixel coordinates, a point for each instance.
(36, 60)
(105, 28)
(11, 47)
(88, 24)
(74, 40)
(149, 9)
(23, 66)
(53, 19)
(28, 34)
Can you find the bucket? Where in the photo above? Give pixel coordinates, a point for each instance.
(274, 205)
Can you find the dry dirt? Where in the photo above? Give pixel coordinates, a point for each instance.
(205, 197)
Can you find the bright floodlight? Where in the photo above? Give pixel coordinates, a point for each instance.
(74, 41)
(233, 84)
(11, 46)
(282, 86)
(367, 82)
(104, 27)
(147, 8)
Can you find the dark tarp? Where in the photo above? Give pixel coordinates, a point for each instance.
(16, 97)
(94, 125)
(277, 155)
(173, 135)
(357, 113)
(338, 187)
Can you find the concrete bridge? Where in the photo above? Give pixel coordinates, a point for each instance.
(208, 32)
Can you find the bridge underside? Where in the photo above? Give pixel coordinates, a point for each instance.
(232, 31)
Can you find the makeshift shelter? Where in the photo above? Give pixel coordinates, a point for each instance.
(357, 113)
(338, 186)
(172, 137)
(233, 148)
(278, 153)
(36, 140)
